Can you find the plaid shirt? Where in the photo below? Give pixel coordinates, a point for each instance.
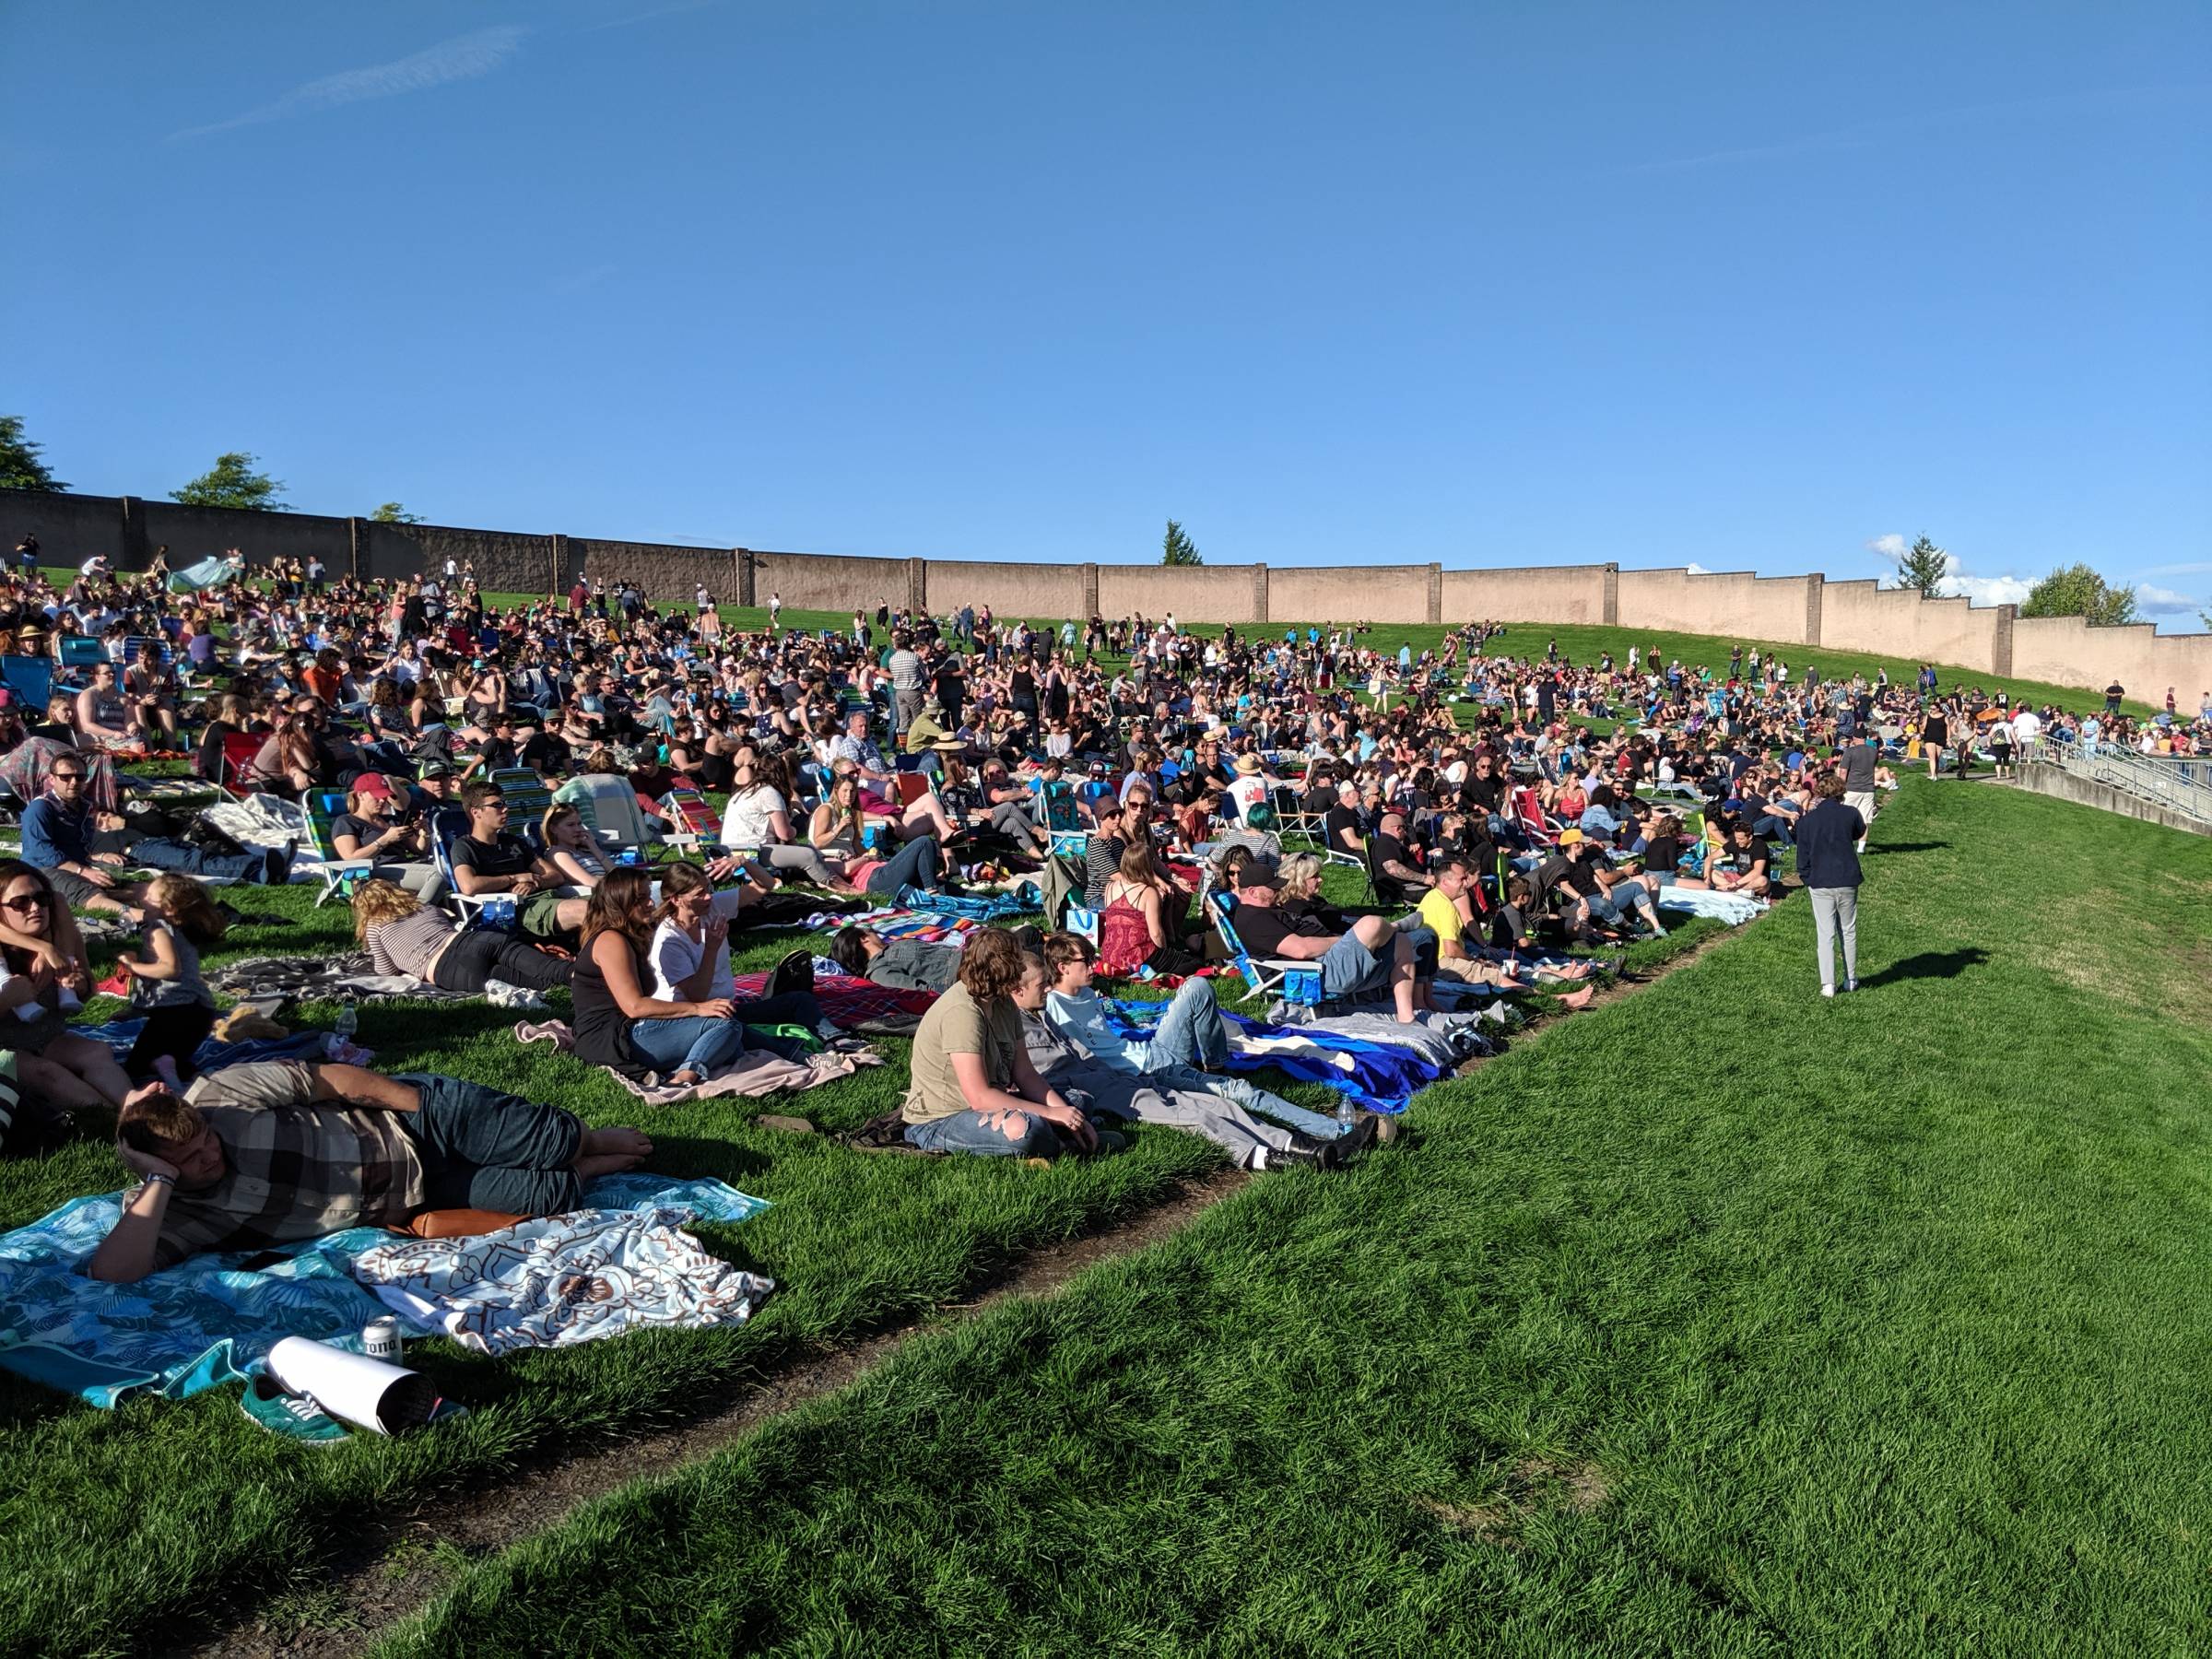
(294, 1172)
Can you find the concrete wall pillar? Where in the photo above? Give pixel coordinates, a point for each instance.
(917, 585)
(558, 579)
(355, 552)
(135, 554)
(1259, 593)
(1610, 609)
(2001, 640)
(1090, 594)
(1813, 586)
(1436, 593)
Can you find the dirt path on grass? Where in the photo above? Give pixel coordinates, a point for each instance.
(396, 1565)
(393, 1566)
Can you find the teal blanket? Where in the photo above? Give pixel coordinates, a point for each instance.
(209, 1320)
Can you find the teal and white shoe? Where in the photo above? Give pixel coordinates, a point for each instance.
(295, 1416)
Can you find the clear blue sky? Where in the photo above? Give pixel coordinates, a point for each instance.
(1750, 286)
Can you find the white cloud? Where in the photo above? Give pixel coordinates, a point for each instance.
(2199, 569)
(1891, 547)
(1698, 569)
(1986, 589)
(465, 57)
(2164, 601)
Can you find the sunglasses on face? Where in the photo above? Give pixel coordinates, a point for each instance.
(29, 901)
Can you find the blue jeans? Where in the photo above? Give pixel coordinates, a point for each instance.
(695, 1043)
(158, 853)
(919, 864)
(967, 1132)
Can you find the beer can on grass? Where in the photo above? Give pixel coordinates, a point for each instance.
(380, 1339)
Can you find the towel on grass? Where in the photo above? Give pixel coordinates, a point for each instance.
(755, 1072)
(210, 1320)
(846, 999)
(560, 1280)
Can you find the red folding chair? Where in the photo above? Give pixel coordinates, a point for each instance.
(240, 749)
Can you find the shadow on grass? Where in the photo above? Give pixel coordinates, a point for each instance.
(1930, 846)
(1931, 964)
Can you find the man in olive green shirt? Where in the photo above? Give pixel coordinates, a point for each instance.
(973, 1086)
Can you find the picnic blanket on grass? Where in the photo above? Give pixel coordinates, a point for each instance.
(212, 1318)
(560, 1280)
(755, 1072)
(273, 979)
(214, 1054)
(846, 1000)
(1734, 909)
(898, 921)
(1381, 1076)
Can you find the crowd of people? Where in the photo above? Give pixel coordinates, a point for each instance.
(1501, 806)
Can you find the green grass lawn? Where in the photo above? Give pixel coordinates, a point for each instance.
(1720, 1319)
(113, 1523)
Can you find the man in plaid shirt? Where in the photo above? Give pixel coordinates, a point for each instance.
(279, 1150)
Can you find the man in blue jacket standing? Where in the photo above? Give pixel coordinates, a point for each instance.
(1828, 863)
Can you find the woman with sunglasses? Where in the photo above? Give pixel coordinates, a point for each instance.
(48, 981)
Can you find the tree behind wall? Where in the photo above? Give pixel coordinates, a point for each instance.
(1921, 566)
(20, 467)
(2077, 590)
(231, 482)
(391, 512)
(1176, 549)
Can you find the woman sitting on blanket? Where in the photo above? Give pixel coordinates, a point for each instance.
(47, 981)
(1140, 919)
(405, 936)
(685, 1039)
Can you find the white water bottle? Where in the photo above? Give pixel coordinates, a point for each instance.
(349, 1019)
(1345, 1116)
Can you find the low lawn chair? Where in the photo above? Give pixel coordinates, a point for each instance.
(240, 749)
(322, 805)
(1528, 813)
(30, 680)
(691, 824)
(527, 800)
(448, 824)
(1263, 975)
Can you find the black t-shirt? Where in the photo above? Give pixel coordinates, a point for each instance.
(1340, 818)
(1509, 927)
(1756, 852)
(1662, 852)
(1484, 793)
(353, 824)
(510, 855)
(1263, 929)
(1934, 731)
(545, 752)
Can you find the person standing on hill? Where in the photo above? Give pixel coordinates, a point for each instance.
(1828, 863)
(1855, 763)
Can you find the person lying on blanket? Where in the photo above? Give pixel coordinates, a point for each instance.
(903, 964)
(275, 1151)
(1186, 1052)
(974, 1088)
(1274, 918)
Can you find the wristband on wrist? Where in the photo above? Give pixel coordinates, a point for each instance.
(157, 1177)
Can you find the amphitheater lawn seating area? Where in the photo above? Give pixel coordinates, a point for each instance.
(113, 1521)
(1720, 1320)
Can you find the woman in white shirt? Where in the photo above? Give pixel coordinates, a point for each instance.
(758, 816)
(570, 847)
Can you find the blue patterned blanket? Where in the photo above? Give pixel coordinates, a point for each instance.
(209, 1320)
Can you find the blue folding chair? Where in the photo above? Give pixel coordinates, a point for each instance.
(30, 681)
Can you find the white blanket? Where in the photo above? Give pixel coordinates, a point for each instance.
(558, 1280)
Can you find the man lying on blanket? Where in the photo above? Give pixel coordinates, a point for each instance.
(275, 1151)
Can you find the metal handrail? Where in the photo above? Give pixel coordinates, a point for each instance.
(2182, 783)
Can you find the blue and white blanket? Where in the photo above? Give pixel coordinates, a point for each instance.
(210, 1320)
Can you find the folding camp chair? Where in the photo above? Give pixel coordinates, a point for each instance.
(691, 824)
(30, 681)
(322, 805)
(448, 824)
(240, 749)
(527, 800)
(1528, 813)
(1262, 975)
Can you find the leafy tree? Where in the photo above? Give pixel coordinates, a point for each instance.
(231, 482)
(1176, 549)
(2079, 591)
(391, 512)
(1921, 566)
(20, 467)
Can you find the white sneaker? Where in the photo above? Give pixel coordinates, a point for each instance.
(1827, 990)
(1851, 984)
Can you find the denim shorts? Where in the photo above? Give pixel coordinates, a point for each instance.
(1349, 968)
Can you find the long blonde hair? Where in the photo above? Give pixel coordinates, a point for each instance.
(377, 901)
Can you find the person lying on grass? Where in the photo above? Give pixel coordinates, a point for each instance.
(404, 935)
(901, 964)
(276, 1152)
(1186, 1052)
(973, 1085)
(1277, 917)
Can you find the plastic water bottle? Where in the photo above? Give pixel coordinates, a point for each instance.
(349, 1019)
(1345, 1117)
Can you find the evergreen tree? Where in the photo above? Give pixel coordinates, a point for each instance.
(391, 512)
(20, 467)
(1921, 566)
(1176, 549)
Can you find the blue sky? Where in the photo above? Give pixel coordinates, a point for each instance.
(1746, 287)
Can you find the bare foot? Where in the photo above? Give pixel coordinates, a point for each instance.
(1579, 999)
(617, 1143)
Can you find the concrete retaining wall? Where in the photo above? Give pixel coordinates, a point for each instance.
(1545, 594)
(2045, 779)
(1043, 592)
(1377, 593)
(1859, 616)
(1733, 604)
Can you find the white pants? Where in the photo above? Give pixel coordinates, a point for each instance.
(1862, 803)
(1836, 910)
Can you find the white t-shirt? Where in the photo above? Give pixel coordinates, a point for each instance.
(2025, 727)
(676, 955)
(746, 823)
(1248, 790)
